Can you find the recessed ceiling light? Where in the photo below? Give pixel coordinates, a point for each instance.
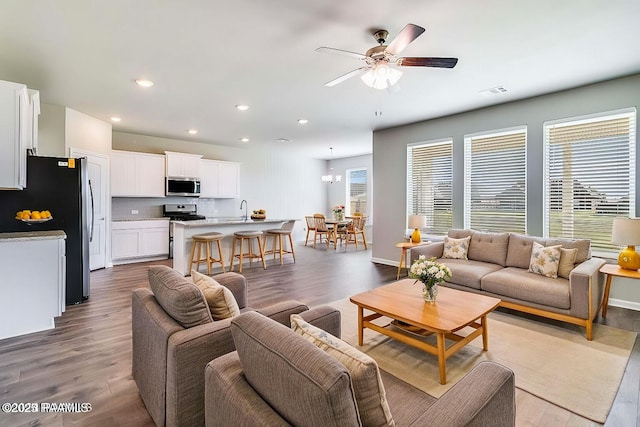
(244, 139)
(192, 131)
(303, 121)
(242, 107)
(144, 82)
(115, 119)
(283, 140)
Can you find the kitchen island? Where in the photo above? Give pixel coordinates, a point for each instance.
(33, 281)
(184, 230)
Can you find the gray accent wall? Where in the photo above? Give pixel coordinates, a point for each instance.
(389, 159)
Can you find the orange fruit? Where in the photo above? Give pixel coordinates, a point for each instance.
(36, 215)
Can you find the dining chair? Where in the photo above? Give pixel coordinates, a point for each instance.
(321, 229)
(356, 227)
(311, 226)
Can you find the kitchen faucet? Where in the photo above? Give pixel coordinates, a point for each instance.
(246, 216)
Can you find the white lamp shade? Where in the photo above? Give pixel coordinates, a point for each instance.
(381, 76)
(417, 221)
(626, 231)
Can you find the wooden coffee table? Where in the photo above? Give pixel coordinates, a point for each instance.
(403, 302)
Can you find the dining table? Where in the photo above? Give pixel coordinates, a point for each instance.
(336, 224)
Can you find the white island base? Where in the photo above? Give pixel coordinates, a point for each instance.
(33, 281)
(184, 230)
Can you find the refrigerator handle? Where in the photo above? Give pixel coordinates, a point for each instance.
(93, 214)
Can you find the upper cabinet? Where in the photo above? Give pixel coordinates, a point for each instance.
(182, 165)
(19, 109)
(219, 179)
(137, 174)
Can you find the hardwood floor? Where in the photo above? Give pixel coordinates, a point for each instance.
(87, 357)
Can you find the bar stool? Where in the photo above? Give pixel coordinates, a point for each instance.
(241, 236)
(206, 239)
(277, 246)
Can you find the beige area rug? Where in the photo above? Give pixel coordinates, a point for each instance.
(554, 363)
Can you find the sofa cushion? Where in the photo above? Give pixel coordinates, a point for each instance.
(179, 297)
(583, 246)
(220, 300)
(567, 261)
(467, 272)
(520, 284)
(545, 260)
(456, 248)
(302, 383)
(459, 233)
(519, 250)
(489, 247)
(365, 375)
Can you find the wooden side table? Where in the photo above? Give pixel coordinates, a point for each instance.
(614, 270)
(404, 246)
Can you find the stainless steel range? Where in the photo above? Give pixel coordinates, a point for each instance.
(179, 212)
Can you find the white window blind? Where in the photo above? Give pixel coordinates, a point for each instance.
(589, 176)
(429, 183)
(357, 191)
(495, 181)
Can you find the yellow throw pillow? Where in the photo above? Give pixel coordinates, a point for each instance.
(545, 260)
(365, 375)
(456, 248)
(567, 261)
(220, 299)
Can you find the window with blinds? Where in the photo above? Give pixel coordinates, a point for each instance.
(589, 176)
(357, 191)
(495, 180)
(429, 183)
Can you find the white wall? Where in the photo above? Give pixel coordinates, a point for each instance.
(389, 159)
(51, 133)
(87, 133)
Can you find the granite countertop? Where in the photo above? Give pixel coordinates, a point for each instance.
(32, 235)
(228, 221)
(140, 219)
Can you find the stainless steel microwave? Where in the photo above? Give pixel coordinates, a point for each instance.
(187, 187)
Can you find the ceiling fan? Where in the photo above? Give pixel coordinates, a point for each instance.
(382, 61)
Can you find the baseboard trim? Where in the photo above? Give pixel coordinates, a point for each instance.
(385, 261)
(631, 305)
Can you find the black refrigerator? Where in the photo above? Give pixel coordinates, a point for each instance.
(61, 186)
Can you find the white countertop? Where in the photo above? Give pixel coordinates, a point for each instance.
(140, 219)
(228, 221)
(32, 235)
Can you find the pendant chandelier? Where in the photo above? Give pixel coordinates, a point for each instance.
(331, 178)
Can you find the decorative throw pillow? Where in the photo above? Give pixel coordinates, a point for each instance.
(545, 260)
(220, 299)
(365, 375)
(456, 248)
(567, 261)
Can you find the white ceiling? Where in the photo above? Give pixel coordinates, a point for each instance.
(206, 56)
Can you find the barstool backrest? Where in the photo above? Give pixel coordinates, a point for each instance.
(288, 225)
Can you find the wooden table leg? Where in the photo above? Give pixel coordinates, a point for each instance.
(485, 333)
(442, 362)
(401, 263)
(360, 328)
(605, 298)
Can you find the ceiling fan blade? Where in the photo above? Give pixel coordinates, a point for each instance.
(345, 76)
(408, 34)
(428, 62)
(340, 52)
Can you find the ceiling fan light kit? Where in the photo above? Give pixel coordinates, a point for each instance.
(381, 62)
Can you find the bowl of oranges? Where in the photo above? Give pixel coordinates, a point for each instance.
(29, 216)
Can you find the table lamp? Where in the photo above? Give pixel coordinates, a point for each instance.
(417, 222)
(626, 231)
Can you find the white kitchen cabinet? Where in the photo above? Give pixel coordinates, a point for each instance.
(137, 174)
(182, 165)
(136, 241)
(219, 179)
(18, 115)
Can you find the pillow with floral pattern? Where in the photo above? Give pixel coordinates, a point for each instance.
(456, 248)
(545, 260)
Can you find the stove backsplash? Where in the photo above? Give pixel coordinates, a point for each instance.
(121, 207)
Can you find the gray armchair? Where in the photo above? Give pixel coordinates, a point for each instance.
(278, 378)
(174, 337)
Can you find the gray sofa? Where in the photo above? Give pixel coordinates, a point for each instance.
(174, 337)
(498, 265)
(278, 378)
